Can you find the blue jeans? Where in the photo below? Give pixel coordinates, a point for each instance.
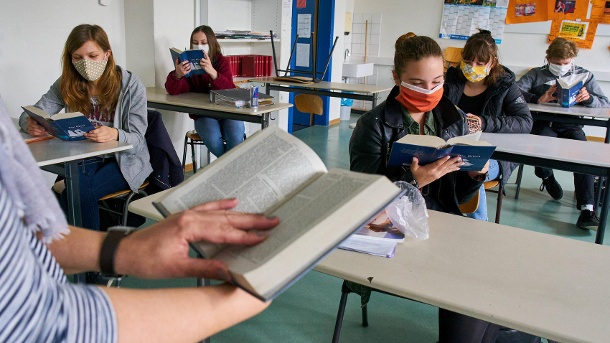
(492, 174)
(213, 131)
(97, 178)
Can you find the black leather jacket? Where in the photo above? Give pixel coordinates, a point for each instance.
(379, 128)
(504, 110)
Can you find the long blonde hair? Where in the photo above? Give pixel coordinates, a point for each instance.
(74, 88)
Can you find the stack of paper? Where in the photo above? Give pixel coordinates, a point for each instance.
(380, 247)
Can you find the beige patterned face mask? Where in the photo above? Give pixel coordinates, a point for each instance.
(90, 70)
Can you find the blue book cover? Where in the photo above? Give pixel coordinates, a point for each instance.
(568, 87)
(65, 126)
(193, 56)
(428, 149)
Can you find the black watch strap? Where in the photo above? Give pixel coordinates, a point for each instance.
(113, 237)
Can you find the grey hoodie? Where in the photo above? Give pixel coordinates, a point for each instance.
(538, 80)
(130, 118)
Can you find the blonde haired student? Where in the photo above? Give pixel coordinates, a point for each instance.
(539, 86)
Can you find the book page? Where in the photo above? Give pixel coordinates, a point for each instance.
(472, 139)
(568, 82)
(312, 222)
(261, 172)
(423, 140)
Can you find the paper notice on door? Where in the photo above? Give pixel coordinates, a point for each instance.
(302, 55)
(304, 25)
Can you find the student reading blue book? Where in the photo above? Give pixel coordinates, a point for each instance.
(193, 57)
(539, 85)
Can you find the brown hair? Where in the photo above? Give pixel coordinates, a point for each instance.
(73, 87)
(212, 41)
(561, 48)
(482, 47)
(410, 47)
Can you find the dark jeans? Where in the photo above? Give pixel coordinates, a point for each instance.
(583, 183)
(458, 328)
(97, 178)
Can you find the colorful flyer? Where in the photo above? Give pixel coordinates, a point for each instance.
(568, 9)
(579, 31)
(527, 11)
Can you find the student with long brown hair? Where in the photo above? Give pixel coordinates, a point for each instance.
(114, 100)
(486, 91)
(214, 132)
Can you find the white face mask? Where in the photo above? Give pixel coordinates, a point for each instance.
(560, 69)
(203, 47)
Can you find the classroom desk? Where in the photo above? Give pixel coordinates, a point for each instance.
(324, 88)
(580, 115)
(199, 104)
(545, 285)
(63, 158)
(556, 153)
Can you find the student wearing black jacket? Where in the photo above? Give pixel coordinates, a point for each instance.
(486, 91)
(417, 106)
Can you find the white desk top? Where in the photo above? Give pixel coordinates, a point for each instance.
(574, 110)
(537, 283)
(52, 151)
(568, 150)
(202, 101)
(331, 86)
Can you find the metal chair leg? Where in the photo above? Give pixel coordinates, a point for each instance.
(499, 203)
(193, 156)
(184, 152)
(365, 316)
(519, 177)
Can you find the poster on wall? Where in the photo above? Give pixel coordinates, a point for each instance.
(568, 9)
(462, 18)
(600, 11)
(527, 11)
(580, 31)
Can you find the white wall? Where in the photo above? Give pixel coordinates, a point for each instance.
(32, 37)
(518, 51)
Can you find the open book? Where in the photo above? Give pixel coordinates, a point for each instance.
(193, 56)
(427, 149)
(568, 87)
(66, 126)
(274, 173)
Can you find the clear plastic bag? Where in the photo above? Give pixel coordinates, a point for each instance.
(409, 213)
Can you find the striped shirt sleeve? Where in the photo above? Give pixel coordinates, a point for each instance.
(37, 304)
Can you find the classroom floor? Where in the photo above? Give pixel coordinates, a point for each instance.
(306, 312)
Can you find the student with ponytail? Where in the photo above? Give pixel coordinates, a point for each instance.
(416, 105)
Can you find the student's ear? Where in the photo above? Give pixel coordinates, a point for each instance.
(396, 78)
(108, 53)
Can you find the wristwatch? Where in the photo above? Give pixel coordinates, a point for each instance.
(113, 237)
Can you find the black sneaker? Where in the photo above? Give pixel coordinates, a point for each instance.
(552, 187)
(587, 220)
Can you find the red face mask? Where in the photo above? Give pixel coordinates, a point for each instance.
(417, 100)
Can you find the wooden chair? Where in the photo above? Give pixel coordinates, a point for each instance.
(472, 205)
(126, 196)
(308, 103)
(452, 56)
(192, 139)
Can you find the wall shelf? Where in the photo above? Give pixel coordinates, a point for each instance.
(229, 40)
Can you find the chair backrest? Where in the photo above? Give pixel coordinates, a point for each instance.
(452, 56)
(471, 205)
(308, 103)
